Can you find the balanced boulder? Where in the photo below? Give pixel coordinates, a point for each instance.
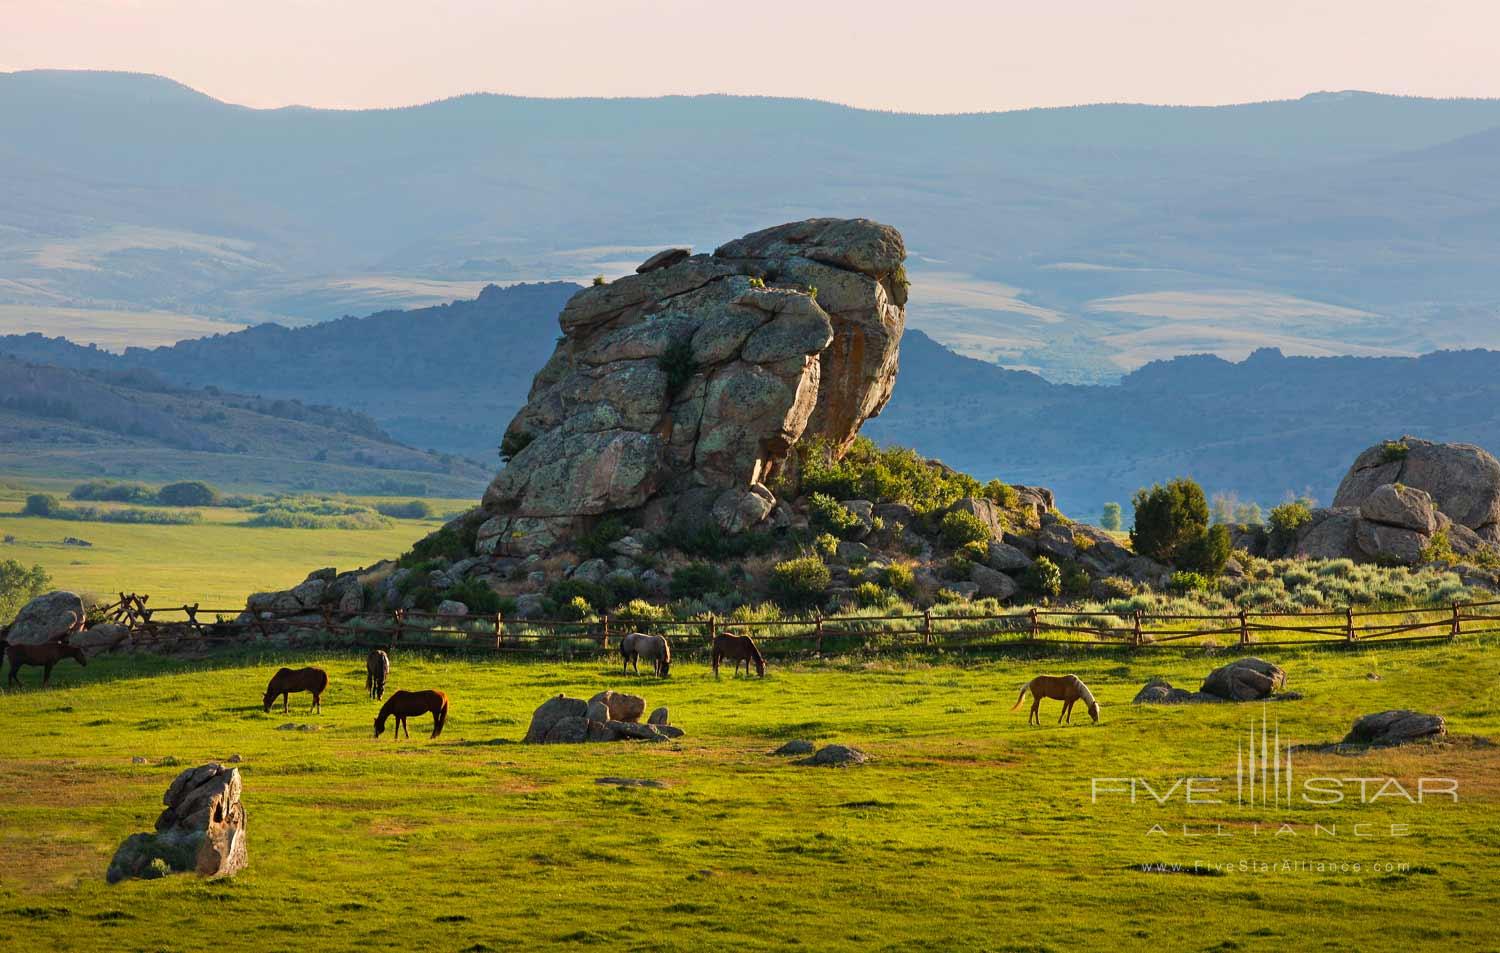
(50, 617)
(1461, 480)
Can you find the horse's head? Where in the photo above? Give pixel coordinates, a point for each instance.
(74, 652)
(270, 697)
(666, 667)
(1093, 710)
(380, 727)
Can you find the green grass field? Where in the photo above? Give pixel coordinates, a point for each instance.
(968, 830)
(214, 563)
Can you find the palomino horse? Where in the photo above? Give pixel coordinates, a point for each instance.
(377, 668)
(288, 680)
(405, 704)
(1065, 688)
(741, 648)
(46, 655)
(652, 648)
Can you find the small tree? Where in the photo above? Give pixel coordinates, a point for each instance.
(1043, 578)
(799, 583)
(1112, 518)
(1168, 519)
(1208, 553)
(18, 586)
(40, 504)
(1248, 514)
(187, 493)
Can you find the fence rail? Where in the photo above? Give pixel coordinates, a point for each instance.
(173, 626)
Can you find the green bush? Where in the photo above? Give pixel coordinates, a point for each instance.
(41, 504)
(1439, 549)
(1392, 451)
(799, 583)
(827, 545)
(899, 578)
(697, 580)
(871, 595)
(596, 542)
(641, 616)
(976, 551)
(454, 540)
(826, 513)
(1286, 519)
(956, 568)
(18, 586)
(568, 592)
(960, 526)
(187, 493)
(677, 363)
(1112, 518)
(480, 598)
(946, 597)
(706, 540)
(108, 491)
(1168, 519)
(1187, 582)
(1208, 553)
(410, 510)
(1075, 580)
(1002, 493)
(1043, 579)
(892, 475)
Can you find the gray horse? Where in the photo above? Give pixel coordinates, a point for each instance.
(652, 648)
(377, 668)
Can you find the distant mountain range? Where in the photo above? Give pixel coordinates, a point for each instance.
(450, 378)
(1079, 242)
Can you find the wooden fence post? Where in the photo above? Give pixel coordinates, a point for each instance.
(1138, 637)
(1036, 625)
(818, 632)
(399, 617)
(604, 631)
(192, 614)
(1457, 623)
(1349, 623)
(499, 630)
(926, 626)
(1244, 627)
(713, 631)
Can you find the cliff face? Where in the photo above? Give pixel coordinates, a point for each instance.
(679, 392)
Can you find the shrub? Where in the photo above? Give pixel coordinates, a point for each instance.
(799, 583)
(1112, 518)
(513, 443)
(410, 510)
(41, 504)
(18, 586)
(976, 551)
(677, 363)
(566, 593)
(1075, 581)
(697, 580)
(946, 597)
(892, 475)
(899, 578)
(596, 542)
(1001, 493)
(479, 597)
(1208, 553)
(871, 594)
(956, 568)
(1117, 587)
(600, 280)
(641, 615)
(1187, 582)
(108, 491)
(455, 540)
(1392, 451)
(1286, 519)
(960, 526)
(1439, 549)
(187, 493)
(1168, 519)
(1043, 579)
(826, 513)
(826, 545)
(706, 540)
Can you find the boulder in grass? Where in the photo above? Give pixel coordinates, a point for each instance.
(50, 617)
(202, 829)
(621, 706)
(1396, 727)
(1246, 679)
(835, 756)
(550, 712)
(658, 717)
(795, 747)
(1158, 692)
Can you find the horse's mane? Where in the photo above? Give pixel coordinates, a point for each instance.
(1083, 692)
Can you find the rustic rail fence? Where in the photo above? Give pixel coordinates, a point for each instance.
(175, 626)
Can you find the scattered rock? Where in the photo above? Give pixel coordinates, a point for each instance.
(1401, 506)
(137, 759)
(202, 829)
(452, 607)
(550, 713)
(795, 747)
(48, 618)
(1158, 692)
(665, 258)
(597, 711)
(1007, 558)
(836, 756)
(658, 716)
(992, 583)
(621, 706)
(608, 716)
(101, 638)
(1396, 727)
(569, 729)
(631, 782)
(1246, 679)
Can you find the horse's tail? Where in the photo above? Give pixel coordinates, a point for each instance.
(666, 650)
(440, 718)
(1021, 697)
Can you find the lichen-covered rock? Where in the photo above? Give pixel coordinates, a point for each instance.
(202, 829)
(1396, 727)
(1158, 692)
(1389, 544)
(992, 583)
(550, 712)
(621, 706)
(659, 717)
(833, 756)
(1462, 480)
(1394, 504)
(680, 391)
(49, 617)
(1246, 679)
(1007, 558)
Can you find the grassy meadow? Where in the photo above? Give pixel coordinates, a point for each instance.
(216, 563)
(967, 830)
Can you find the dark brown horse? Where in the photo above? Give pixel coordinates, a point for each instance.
(377, 669)
(741, 648)
(46, 655)
(405, 704)
(289, 680)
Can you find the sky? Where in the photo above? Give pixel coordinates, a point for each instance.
(911, 55)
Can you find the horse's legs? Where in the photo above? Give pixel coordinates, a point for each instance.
(15, 666)
(1036, 710)
(716, 663)
(317, 704)
(47, 673)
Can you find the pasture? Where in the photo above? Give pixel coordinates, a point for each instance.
(215, 563)
(967, 830)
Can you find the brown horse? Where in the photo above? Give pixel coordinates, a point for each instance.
(652, 648)
(289, 680)
(405, 704)
(1065, 688)
(377, 668)
(741, 648)
(46, 655)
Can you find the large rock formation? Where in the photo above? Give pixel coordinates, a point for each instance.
(50, 617)
(1461, 480)
(202, 829)
(679, 392)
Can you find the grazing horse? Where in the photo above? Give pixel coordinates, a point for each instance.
(741, 648)
(652, 648)
(289, 680)
(377, 667)
(405, 704)
(1065, 688)
(46, 655)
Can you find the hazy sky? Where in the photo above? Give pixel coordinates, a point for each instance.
(920, 55)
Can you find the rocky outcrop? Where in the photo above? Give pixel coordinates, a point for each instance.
(608, 716)
(50, 617)
(202, 829)
(1462, 482)
(835, 756)
(679, 392)
(1243, 680)
(1396, 727)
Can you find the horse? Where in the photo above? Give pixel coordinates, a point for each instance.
(377, 667)
(652, 648)
(1065, 688)
(289, 680)
(741, 648)
(46, 655)
(404, 704)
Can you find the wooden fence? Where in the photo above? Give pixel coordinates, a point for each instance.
(169, 627)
